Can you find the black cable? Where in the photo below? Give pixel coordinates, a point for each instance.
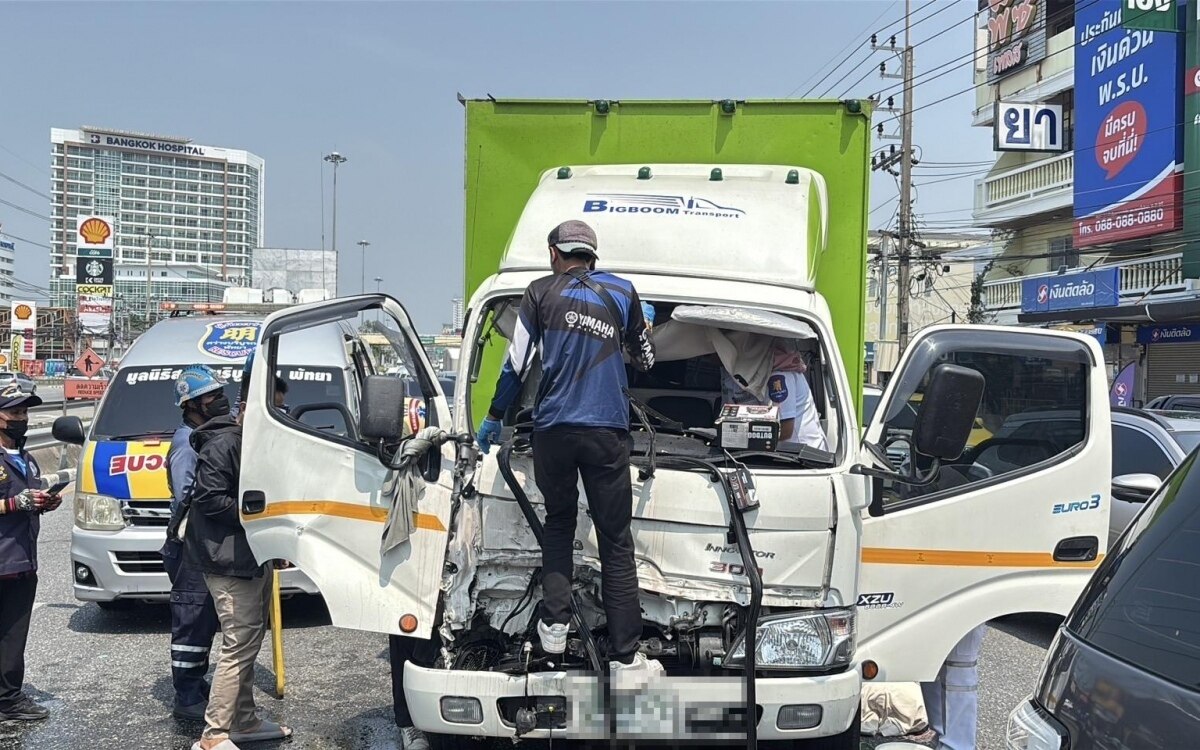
(22, 209)
(15, 181)
(857, 37)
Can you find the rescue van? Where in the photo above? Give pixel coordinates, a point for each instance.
(122, 500)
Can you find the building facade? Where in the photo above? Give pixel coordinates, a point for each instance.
(193, 206)
(939, 291)
(295, 269)
(1084, 199)
(8, 259)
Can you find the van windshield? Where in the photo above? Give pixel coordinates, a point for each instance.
(141, 400)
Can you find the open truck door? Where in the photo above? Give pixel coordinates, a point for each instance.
(1015, 522)
(320, 498)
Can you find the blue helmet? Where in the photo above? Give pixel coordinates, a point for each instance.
(194, 382)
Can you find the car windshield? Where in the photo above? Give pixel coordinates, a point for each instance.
(1187, 440)
(1143, 606)
(141, 400)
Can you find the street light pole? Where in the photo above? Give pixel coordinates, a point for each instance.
(335, 159)
(378, 281)
(149, 248)
(363, 284)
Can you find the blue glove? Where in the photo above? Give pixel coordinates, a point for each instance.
(489, 432)
(648, 313)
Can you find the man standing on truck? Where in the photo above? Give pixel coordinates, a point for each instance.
(200, 393)
(21, 508)
(579, 320)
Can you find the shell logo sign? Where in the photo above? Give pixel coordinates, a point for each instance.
(94, 232)
(23, 315)
(23, 311)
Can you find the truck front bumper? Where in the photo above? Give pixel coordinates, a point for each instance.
(126, 565)
(671, 707)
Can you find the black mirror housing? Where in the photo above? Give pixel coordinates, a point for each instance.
(382, 408)
(69, 430)
(947, 412)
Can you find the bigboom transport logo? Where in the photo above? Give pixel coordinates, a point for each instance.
(668, 205)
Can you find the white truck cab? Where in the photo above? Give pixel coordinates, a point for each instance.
(849, 570)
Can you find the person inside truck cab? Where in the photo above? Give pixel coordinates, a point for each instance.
(579, 320)
(787, 388)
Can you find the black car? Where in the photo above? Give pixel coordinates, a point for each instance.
(1124, 669)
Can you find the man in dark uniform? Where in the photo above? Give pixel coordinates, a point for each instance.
(580, 321)
(21, 507)
(201, 396)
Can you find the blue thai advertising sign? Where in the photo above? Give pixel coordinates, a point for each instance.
(1168, 334)
(1070, 292)
(1128, 127)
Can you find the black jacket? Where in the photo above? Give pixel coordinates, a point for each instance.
(19, 530)
(215, 540)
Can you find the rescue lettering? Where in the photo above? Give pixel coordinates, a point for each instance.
(130, 464)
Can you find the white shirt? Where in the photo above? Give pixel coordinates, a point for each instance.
(790, 392)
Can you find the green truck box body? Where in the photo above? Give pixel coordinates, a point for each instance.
(510, 143)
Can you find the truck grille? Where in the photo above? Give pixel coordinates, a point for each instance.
(147, 512)
(139, 562)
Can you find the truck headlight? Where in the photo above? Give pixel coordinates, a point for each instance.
(814, 640)
(98, 512)
(1031, 728)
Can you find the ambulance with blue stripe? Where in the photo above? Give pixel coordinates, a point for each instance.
(122, 502)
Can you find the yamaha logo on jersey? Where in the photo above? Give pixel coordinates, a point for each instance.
(589, 324)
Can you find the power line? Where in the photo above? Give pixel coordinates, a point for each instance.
(27, 242)
(30, 189)
(25, 210)
(856, 38)
(22, 158)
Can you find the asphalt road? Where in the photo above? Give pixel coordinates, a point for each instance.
(104, 675)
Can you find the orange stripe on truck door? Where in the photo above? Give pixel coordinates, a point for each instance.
(340, 510)
(968, 558)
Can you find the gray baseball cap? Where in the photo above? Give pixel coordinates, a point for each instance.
(573, 237)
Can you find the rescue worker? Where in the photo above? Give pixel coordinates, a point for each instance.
(199, 392)
(579, 320)
(787, 388)
(216, 542)
(952, 699)
(21, 508)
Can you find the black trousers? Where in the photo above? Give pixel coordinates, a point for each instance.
(402, 649)
(561, 456)
(16, 608)
(194, 623)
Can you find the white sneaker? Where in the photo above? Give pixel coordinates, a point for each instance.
(412, 738)
(636, 675)
(554, 637)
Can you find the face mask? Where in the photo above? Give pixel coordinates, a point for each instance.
(218, 407)
(16, 431)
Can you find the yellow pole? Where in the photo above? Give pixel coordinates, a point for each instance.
(277, 633)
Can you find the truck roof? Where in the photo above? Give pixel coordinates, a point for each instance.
(759, 223)
(227, 339)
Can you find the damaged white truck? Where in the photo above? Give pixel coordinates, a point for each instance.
(744, 224)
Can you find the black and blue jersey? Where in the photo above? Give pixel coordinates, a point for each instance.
(583, 371)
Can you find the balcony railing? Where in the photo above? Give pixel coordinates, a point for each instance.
(1161, 274)
(1042, 180)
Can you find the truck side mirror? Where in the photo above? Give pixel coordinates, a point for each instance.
(68, 430)
(947, 411)
(1135, 488)
(381, 415)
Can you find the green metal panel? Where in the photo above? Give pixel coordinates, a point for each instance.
(509, 143)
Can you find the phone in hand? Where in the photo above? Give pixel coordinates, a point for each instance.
(57, 488)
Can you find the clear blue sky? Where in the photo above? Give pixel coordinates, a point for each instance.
(377, 82)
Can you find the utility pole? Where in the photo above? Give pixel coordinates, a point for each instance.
(363, 284)
(335, 159)
(888, 160)
(902, 269)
